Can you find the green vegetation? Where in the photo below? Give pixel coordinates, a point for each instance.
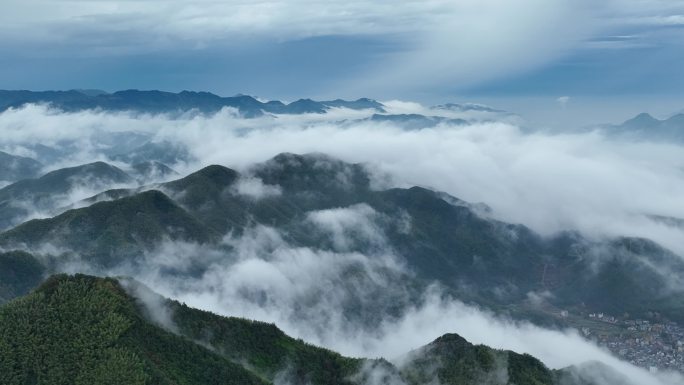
(62, 180)
(451, 360)
(107, 231)
(86, 330)
(204, 194)
(45, 194)
(264, 348)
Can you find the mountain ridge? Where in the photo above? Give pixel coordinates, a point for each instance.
(444, 242)
(96, 330)
(646, 126)
(44, 193)
(14, 167)
(154, 101)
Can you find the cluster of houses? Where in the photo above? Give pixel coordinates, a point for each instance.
(648, 344)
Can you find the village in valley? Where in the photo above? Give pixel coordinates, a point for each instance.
(655, 343)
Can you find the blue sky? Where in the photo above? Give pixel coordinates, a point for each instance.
(427, 50)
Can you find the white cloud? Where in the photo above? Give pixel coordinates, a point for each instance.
(556, 349)
(154, 304)
(586, 182)
(563, 101)
(453, 44)
(598, 185)
(255, 188)
(474, 41)
(306, 291)
(205, 21)
(350, 224)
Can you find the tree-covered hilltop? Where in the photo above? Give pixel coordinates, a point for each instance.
(87, 330)
(451, 360)
(108, 232)
(448, 360)
(49, 192)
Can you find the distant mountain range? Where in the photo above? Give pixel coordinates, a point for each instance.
(415, 121)
(249, 107)
(168, 102)
(86, 330)
(645, 126)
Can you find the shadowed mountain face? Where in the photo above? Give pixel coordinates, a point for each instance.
(152, 171)
(19, 273)
(320, 203)
(415, 121)
(61, 180)
(167, 102)
(157, 152)
(131, 148)
(14, 168)
(53, 190)
(86, 330)
(108, 233)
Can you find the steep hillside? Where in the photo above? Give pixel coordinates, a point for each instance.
(261, 347)
(52, 190)
(86, 330)
(451, 360)
(438, 237)
(107, 233)
(14, 168)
